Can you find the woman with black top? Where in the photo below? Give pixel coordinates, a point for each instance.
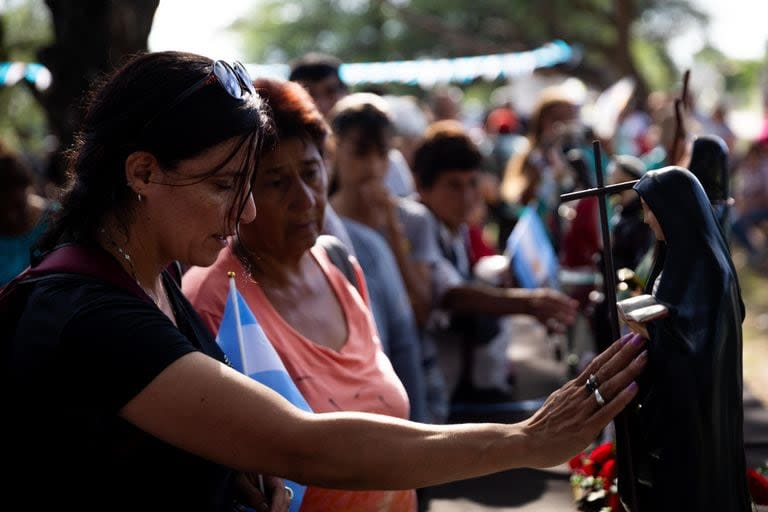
(116, 397)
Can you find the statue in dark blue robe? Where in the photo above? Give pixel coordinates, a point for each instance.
(686, 424)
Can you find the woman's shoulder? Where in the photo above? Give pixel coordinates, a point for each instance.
(74, 293)
(410, 207)
(51, 305)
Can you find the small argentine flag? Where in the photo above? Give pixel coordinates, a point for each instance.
(249, 351)
(532, 257)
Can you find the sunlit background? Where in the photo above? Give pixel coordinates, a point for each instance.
(736, 29)
(723, 44)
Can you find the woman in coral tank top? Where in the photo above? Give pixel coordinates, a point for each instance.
(317, 320)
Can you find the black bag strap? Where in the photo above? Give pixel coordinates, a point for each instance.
(91, 261)
(66, 260)
(339, 255)
(78, 259)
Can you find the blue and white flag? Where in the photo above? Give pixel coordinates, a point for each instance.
(249, 351)
(532, 257)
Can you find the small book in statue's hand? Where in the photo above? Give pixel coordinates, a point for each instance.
(638, 310)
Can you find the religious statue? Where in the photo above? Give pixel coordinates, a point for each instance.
(685, 427)
(709, 163)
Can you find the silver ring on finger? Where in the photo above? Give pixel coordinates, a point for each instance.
(290, 492)
(591, 383)
(599, 398)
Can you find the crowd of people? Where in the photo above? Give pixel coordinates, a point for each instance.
(177, 182)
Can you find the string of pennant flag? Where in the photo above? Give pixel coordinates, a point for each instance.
(428, 72)
(423, 72)
(36, 74)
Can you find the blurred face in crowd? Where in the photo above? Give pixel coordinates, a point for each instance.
(650, 219)
(445, 107)
(454, 196)
(290, 195)
(357, 162)
(326, 92)
(555, 115)
(624, 197)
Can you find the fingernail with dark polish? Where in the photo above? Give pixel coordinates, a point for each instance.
(632, 386)
(642, 356)
(638, 339)
(624, 339)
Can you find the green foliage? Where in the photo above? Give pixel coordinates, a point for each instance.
(280, 30)
(23, 125)
(618, 37)
(655, 65)
(26, 27)
(742, 79)
(659, 20)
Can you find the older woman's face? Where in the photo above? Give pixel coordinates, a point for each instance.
(290, 195)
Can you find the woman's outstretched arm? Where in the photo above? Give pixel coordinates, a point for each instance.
(208, 409)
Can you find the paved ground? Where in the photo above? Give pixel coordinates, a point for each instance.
(539, 373)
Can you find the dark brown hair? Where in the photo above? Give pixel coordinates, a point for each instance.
(446, 147)
(314, 67)
(367, 115)
(293, 113)
(129, 111)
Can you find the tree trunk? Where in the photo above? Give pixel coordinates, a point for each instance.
(92, 37)
(623, 57)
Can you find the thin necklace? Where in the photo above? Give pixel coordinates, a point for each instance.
(127, 257)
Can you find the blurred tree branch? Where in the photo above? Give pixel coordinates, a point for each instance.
(606, 31)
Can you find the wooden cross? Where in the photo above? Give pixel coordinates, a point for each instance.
(609, 273)
(675, 152)
(629, 494)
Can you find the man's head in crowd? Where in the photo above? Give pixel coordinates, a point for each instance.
(363, 132)
(446, 103)
(319, 74)
(410, 124)
(447, 171)
(625, 168)
(553, 109)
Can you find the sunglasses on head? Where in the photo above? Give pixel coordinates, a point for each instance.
(233, 78)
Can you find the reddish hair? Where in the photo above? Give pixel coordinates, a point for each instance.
(293, 113)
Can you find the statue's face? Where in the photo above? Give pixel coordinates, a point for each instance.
(650, 219)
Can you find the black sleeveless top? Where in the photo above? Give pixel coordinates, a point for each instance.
(79, 349)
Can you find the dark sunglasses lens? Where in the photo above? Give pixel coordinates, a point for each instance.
(227, 78)
(242, 73)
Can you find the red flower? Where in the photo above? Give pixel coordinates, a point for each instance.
(602, 453)
(758, 487)
(588, 468)
(613, 502)
(576, 462)
(608, 473)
